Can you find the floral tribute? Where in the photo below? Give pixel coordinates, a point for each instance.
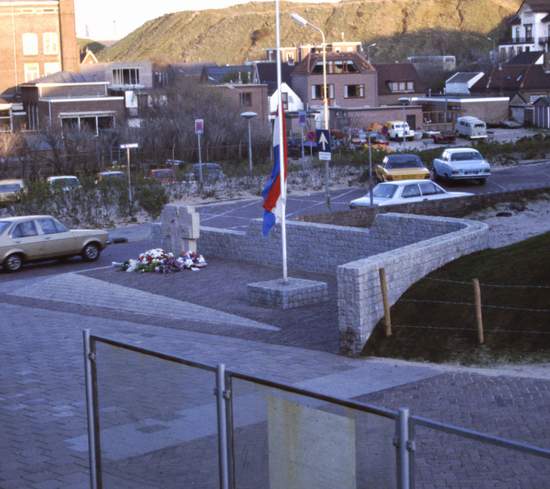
(160, 261)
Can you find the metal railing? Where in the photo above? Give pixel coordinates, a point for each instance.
(518, 40)
(245, 407)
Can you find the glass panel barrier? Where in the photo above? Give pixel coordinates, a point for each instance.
(157, 419)
(444, 460)
(287, 441)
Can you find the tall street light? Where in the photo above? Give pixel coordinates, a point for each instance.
(306, 23)
(494, 52)
(249, 116)
(373, 45)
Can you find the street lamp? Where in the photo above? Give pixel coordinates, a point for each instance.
(128, 147)
(373, 45)
(494, 52)
(306, 23)
(249, 116)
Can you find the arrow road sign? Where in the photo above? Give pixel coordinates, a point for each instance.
(323, 143)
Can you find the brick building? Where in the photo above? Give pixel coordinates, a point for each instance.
(37, 38)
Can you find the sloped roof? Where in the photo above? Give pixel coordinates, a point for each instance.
(512, 78)
(526, 58)
(542, 101)
(190, 69)
(463, 76)
(396, 72)
(267, 73)
(307, 65)
(538, 5)
(71, 77)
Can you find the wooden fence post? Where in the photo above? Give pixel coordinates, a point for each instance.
(386, 301)
(479, 312)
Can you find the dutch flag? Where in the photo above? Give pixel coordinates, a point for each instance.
(272, 190)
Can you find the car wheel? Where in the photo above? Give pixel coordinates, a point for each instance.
(13, 263)
(91, 252)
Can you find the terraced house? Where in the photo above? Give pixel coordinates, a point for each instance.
(37, 38)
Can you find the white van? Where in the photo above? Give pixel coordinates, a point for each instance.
(471, 128)
(398, 130)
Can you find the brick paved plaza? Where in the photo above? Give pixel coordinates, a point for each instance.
(158, 420)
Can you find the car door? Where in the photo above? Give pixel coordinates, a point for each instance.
(56, 239)
(430, 191)
(25, 236)
(411, 193)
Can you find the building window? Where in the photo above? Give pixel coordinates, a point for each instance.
(51, 43)
(284, 97)
(126, 76)
(335, 67)
(30, 44)
(245, 99)
(401, 87)
(32, 71)
(50, 68)
(354, 91)
(317, 92)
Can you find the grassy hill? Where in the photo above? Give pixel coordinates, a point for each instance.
(516, 322)
(242, 32)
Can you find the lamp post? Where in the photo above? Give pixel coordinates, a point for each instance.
(249, 116)
(306, 23)
(373, 45)
(128, 147)
(494, 51)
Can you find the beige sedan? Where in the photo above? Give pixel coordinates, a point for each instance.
(29, 238)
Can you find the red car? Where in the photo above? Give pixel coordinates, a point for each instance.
(445, 137)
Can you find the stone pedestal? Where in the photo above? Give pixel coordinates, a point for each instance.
(180, 229)
(277, 295)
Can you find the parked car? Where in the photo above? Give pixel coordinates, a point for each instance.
(66, 183)
(405, 192)
(461, 164)
(471, 128)
(211, 172)
(401, 167)
(445, 137)
(398, 130)
(11, 190)
(110, 176)
(175, 163)
(165, 176)
(29, 238)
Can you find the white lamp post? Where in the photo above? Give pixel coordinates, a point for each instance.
(306, 23)
(373, 45)
(249, 116)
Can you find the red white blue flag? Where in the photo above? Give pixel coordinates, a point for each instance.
(272, 190)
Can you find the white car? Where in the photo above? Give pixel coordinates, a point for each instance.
(461, 164)
(405, 192)
(399, 130)
(66, 183)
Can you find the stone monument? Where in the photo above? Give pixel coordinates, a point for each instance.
(180, 228)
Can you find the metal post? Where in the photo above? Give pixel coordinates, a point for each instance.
(327, 124)
(303, 155)
(370, 174)
(223, 447)
(403, 444)
(249, 149)
(200, 158)
(94, 448)
(130, 194)
(282, 149)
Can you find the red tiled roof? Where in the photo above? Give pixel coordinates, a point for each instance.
(513, 78)
(396, 72)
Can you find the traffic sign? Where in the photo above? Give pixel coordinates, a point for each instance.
(199, 126)
(302, 118)
(129, 146)
(323, 143)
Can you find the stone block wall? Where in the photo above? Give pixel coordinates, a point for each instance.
(359, 296)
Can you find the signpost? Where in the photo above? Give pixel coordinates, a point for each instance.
(128, 147)
(325, 154)
(199, 131)
(303, 121)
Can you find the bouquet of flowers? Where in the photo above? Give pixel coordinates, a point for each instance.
(160, 261)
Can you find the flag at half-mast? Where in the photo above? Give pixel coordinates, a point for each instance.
(272, 190)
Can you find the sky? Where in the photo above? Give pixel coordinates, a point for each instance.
(104, 20)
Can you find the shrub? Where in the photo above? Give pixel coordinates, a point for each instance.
(151, 196)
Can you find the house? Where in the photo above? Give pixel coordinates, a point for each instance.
(528, 30)
(462, 82)
(297, 54)
(88, 58)
(541, 113)
(218, 75)
(71, 101)
(352, 81)
(247, 97)
(396, 80)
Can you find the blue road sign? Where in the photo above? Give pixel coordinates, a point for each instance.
(323, 143)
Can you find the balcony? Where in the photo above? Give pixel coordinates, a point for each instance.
(517, 40)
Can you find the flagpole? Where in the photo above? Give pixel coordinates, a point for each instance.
(282, 149)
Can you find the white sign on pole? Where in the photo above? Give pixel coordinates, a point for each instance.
(199, 126)
(129, 146)
(324, 156)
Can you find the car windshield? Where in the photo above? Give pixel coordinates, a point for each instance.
(10, 187)
(384, 191)
(66, 182)
(403, 161)
(466, 156)
(3, 226)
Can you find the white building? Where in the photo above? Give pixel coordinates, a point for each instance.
(529, 30)
(291, 101)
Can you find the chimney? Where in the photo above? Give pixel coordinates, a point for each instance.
(70, 56)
